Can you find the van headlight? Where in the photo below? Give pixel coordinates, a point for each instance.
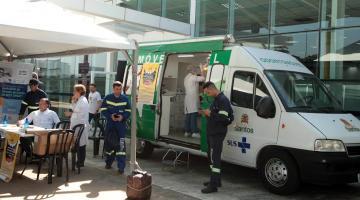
(329, 146)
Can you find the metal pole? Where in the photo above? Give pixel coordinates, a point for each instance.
(133, 164)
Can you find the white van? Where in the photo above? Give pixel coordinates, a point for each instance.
(287, 124)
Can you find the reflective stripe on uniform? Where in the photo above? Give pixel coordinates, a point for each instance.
(127, 110)
(23, 102)
(33, 107)
(215, 170)
(120, 153)
(102, 109)
(223, 112)
(116, 104)
(109, 153)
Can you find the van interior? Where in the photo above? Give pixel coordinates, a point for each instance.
(172, 121)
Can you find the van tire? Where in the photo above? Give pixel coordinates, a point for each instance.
(144, 149)
(279, 172)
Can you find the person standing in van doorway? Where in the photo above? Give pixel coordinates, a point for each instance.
(192, 102)
(219, 116)
(116, 109)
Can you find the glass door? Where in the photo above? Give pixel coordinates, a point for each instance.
(103, 81)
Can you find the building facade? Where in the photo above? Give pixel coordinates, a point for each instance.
(322, 34)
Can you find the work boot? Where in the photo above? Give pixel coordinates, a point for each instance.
(107, 166)
(207, 184)
(121, 172)
(209, 189)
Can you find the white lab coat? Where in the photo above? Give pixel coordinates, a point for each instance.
(80, 115)
(191, 84)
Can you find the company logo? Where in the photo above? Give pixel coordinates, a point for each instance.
(243, 145)
(349, 126)
(244, 119)
(243, 126)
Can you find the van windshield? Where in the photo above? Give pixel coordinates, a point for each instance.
(302, 92)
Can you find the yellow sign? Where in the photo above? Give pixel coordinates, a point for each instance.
(148, 81)
(9, 156)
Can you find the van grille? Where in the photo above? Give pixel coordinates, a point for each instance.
(353, 150)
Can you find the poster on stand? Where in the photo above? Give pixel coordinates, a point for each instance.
(9, 156)
(148, 80)
(14, 79)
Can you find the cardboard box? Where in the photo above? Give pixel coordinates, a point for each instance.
(40, 142)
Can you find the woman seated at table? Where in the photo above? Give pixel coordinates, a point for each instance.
(44, 117)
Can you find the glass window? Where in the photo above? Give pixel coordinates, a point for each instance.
(150, 6)
(303, 46)
(340, 54)
(291, 16)
(213, 17)
(216, 76)
(257, 42)
(302, 92)
(260, 91)
(132, 4)
(340, 66)
(251, 17)
(243, 89)
(338, 13)
(177, 10)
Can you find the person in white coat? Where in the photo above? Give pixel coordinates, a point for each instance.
(192, 102)
(80, 115)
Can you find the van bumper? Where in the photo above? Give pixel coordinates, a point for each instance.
(327, 168)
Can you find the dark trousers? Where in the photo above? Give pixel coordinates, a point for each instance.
(81, 154)
(114, 144)
(191, 123)
(93, 117)
(215, 145)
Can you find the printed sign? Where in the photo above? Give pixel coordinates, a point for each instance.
(243, 145)
(9, 156)
(243, 125)
(147, 85)
(220, 57)
(14, 78)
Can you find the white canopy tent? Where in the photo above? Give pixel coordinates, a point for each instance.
(33, 29)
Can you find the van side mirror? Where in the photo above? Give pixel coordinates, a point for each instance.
(265, 108)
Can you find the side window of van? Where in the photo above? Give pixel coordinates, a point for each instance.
(242, 91)
(261, 90)
(216, 75)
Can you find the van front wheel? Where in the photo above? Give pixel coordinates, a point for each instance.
(144, 149)
(279, 172)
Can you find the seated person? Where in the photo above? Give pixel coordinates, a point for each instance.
(44, 117)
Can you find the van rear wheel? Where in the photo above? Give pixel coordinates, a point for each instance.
(144, 149)
(279, 172)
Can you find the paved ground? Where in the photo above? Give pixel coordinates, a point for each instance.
(168, 183)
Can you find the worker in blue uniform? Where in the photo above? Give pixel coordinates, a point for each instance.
(116, 109)
(219, 117)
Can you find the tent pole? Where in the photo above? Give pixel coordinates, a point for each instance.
(133, 163)
(134, 61)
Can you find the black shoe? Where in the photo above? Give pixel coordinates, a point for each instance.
(207, 184)
(121, 172)
(209, 189)
(107, 166)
